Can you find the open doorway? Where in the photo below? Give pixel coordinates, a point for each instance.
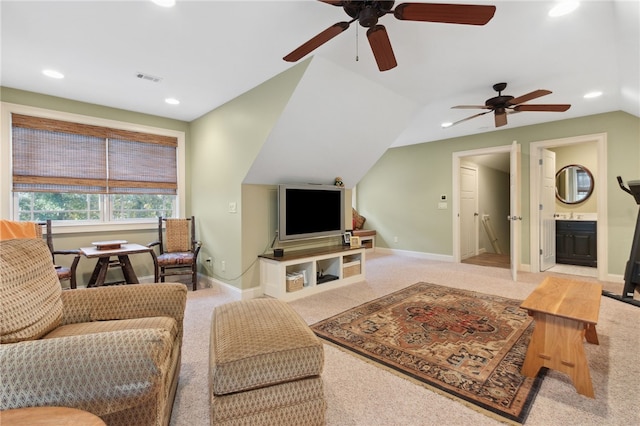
(542, 235)
(482, 207)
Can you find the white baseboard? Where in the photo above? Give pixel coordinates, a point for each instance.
(235, 293)
(420, 255)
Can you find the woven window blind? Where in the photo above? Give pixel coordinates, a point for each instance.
(59, 156)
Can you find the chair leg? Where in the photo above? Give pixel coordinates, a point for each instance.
(194, 276)
(74, 266)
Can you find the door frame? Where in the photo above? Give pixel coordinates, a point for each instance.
(535, 154)
(455, 211)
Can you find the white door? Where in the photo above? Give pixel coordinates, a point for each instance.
(468, 211)
(515, 217)
(547, 210)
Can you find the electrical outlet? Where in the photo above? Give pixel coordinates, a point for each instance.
(233, 207)
(395, 239)
(223, 265)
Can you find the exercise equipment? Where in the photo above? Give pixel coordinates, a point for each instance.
(632, 270)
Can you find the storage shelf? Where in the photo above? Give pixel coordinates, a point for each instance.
(323, 268)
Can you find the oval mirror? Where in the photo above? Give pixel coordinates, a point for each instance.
(574, 184)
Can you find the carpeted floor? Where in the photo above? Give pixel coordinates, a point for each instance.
(360, 393)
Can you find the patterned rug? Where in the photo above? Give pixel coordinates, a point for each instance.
(461, 343)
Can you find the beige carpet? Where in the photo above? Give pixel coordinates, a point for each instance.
(360, 393)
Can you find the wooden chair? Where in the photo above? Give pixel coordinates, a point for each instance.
(64, 273)
(178, 249)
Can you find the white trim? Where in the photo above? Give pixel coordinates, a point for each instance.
(420, 255)
(228, 290)
(535, 154)
(6, 200)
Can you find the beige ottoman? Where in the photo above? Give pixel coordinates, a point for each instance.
(264, 366)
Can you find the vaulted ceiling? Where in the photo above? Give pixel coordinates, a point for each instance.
(206, 53)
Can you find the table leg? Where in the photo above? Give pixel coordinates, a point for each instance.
(99, 272)
(556, 343)
(590, 334)
(127, 270)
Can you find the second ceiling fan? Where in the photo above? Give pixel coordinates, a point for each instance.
(367, 14)
(502, 105)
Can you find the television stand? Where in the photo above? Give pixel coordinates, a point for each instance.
(322, 268)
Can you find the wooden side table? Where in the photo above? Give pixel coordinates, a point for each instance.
(104, 261)
(49, 416)
(565, 312)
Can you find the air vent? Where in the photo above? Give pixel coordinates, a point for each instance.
(148, 77)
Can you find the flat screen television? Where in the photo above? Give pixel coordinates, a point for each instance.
(310, 211)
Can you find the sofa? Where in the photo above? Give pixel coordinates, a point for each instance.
(113, 351)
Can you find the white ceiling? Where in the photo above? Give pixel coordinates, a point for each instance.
(209, 52)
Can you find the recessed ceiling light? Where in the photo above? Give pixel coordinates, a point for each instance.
(53, 74)
(446, 124)
(592, 95)
(563, 8)
(165, 3)
(172, 101)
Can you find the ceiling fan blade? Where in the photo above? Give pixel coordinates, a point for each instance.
(446, 13)
(529, 96)
(500, 118)
(381, 47)
(316, 41)
(469, 118)
(541, 107)
(471, 107)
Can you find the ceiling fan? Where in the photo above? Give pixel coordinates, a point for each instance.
(367, 14)
(502, 105)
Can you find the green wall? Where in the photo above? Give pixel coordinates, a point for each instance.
(225, 143)
(399, 194)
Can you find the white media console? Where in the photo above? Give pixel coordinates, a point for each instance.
(321, 268)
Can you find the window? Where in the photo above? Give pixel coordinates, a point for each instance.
(76, 171)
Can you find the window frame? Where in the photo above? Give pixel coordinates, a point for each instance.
(7, 199)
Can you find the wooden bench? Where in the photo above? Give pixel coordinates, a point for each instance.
(565, 312)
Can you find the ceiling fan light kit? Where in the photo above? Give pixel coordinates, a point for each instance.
(367, 13)
(502, 105)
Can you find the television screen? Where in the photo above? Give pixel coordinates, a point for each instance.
(310, 211)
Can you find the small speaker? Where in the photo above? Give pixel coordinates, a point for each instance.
(278, 252)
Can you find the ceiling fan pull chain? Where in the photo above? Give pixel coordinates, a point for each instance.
(357, 43)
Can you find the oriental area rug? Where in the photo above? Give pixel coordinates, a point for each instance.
(466, 345)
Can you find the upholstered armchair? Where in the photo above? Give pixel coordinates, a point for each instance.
(113, 351)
